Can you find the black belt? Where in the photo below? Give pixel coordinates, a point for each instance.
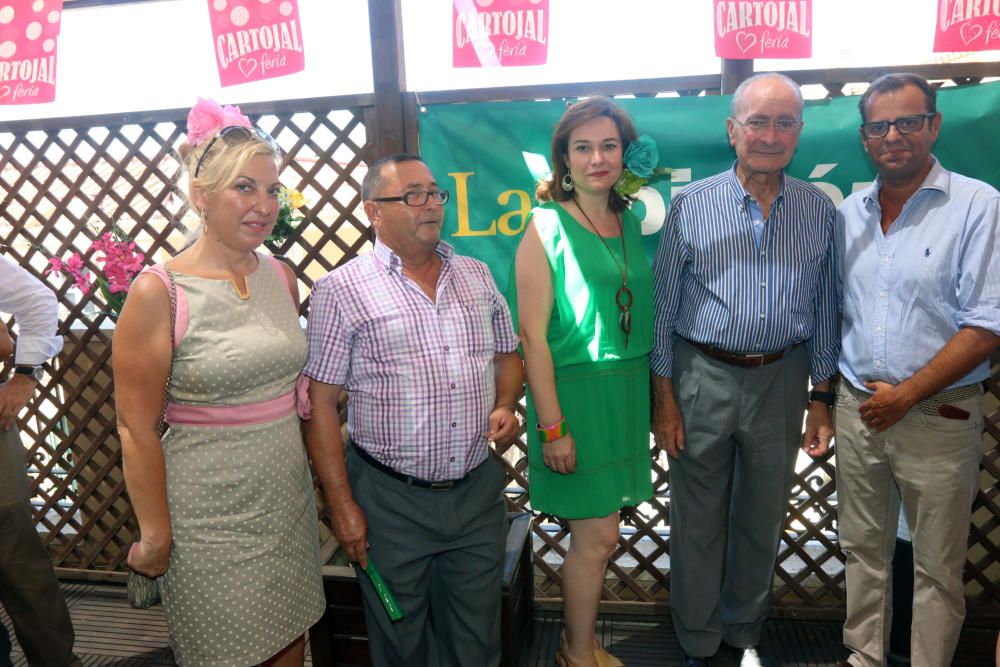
(443, 485)
(742, 360)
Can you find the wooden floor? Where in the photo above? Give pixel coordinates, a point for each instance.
(110, 633)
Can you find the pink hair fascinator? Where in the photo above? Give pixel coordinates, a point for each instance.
(207, 117)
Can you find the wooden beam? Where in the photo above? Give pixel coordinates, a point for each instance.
(172, 115)
(388, 71)
(735, 72)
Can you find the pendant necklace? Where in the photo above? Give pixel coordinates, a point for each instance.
(623, 297)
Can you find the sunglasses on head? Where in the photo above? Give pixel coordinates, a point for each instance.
(234, 135)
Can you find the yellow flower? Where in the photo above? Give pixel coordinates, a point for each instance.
(295, 198)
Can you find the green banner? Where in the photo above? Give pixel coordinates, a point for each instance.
(490, 156)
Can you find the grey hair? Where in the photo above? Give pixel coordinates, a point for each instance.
(371, 184)
(738, 103)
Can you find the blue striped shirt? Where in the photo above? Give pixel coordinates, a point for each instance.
(716, 284)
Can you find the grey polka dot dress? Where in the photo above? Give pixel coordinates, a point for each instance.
(244, 576)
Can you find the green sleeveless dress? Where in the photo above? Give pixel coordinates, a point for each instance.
(603, 386)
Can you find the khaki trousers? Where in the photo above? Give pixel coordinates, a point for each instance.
(934, 464)
(29, 590)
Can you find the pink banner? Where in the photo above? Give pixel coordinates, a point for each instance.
(748, 29)
(29, 30)
(256, 39)
(972, 25)
(500, 33)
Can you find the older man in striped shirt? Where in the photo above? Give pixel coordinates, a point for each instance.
(423, 343)
(746, 316)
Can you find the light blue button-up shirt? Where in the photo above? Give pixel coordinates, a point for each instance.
(908, 292)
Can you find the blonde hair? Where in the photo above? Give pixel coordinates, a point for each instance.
(222, 165)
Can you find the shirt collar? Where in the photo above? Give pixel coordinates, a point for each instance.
(740, 193)
(388, 258)
(938, 178)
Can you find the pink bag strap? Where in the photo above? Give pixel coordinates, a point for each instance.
(279, 268)
(181, 319)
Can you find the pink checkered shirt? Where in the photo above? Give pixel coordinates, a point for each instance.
(419, 374)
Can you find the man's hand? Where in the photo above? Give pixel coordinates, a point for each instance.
(819, 429)
(560, 455)
(887, 406)
(351, 530)
(14, 395)
(668, 426)
(503, 426)
(149, 558)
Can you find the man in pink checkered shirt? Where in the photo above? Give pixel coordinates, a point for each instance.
(423, 343)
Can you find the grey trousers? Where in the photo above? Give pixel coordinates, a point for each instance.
(441, 554)
(729, 493)
(934, 464)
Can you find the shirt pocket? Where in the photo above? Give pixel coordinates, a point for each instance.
(395, 335)
(476, 307)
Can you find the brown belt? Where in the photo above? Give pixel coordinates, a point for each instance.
(742, 360)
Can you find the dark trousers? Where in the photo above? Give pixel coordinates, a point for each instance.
(30, 592)
(441, 554)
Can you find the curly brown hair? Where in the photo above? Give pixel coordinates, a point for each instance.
(575, 116)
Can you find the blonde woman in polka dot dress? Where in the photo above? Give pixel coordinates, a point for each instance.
(224, 500)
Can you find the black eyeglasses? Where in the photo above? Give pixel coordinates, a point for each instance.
(234, 135)
(903, 124)
(418, 197)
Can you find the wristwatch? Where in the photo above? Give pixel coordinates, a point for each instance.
(827, 397)
(35, 372)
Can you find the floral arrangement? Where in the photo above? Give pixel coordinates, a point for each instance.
(641, 158)
(290, 201)
(208, 117)
(119, 262)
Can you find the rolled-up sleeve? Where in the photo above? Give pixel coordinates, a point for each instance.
(979, 269)
(35, 310)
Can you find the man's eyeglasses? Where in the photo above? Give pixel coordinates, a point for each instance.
(782, 125)
(903, 124)
(418, 197)
(234, 135)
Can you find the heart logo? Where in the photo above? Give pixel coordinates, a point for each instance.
(969, 32)
(745, 40)
(4, 91)
(247, 66)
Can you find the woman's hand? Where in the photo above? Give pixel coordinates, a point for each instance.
(560, 455)
(149, 559)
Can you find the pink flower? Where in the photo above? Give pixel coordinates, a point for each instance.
(119, 261)
(206, 118)
(55, 267)
(74, 267)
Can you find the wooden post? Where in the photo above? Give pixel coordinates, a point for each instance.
(735, 72)
(385, 125)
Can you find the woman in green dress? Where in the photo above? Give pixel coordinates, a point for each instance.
(581, 288)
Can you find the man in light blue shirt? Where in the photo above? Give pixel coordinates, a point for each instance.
(920, 264)
(746, 314)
